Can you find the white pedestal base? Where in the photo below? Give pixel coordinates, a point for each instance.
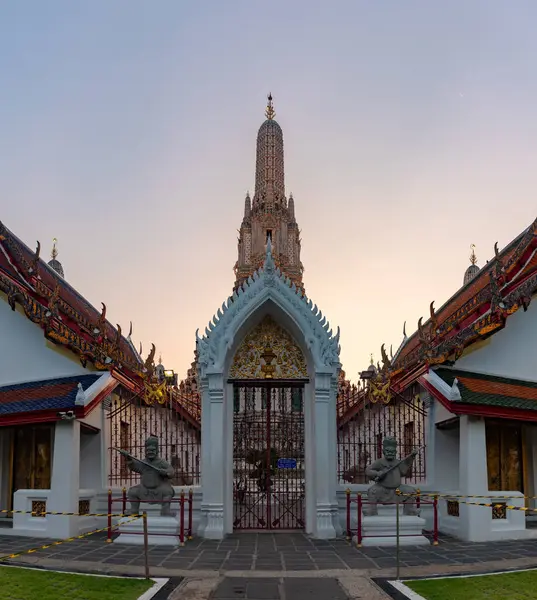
(382, 530)
(131, 532)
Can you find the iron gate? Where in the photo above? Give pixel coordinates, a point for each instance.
(133, 419)
(268, 455)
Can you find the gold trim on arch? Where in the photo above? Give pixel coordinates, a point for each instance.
(268, 352)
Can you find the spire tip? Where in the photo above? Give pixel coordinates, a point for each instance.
(269, 111)
(473, 257)
(54, 252)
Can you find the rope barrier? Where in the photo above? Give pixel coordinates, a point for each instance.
(488, 504)
(454, 496)
(38, 513)
(59, 542)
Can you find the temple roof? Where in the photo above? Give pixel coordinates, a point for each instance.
(45, 400)
(482, 394)
(65, 315)
(478, 309)
(58, 394)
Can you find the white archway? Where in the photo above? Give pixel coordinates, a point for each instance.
(269, 292)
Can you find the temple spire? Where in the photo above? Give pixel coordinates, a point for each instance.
(55, 263)
(473, 257)
(269, 218)
(54, 252)
(473, 269)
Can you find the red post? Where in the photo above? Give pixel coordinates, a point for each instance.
(182, 509)
(435, 526)
(349, 532)
(109, 533)
(124, 496)
(190, 512)
(359, 532)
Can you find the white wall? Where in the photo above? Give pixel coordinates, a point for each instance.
(446, 459)
(90, 459)
(511, 352)
(441, 413)
(26, 354)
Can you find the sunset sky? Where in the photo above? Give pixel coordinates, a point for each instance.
(128, 129)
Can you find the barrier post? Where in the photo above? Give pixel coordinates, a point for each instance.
(146, 545)
(348, 496)
(359, 522)
(124, 496)
(190, 512)
(435, 517)
(418, 499)
(397, 533)
(182, 509)
(109, 532)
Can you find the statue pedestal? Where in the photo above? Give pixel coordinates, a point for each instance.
(381, 530)
(162, 531)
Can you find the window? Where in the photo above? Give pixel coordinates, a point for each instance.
(269, 235)
(504, 456)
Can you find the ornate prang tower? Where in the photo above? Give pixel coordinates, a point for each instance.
(269, 214)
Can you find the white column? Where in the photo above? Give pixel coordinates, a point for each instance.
(473, 478)
(213, 458)
(325, 453)
(65, 483)
(430, 438)
(336, 519)
(105, 450)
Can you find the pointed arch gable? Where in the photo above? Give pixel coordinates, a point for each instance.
(267, 287)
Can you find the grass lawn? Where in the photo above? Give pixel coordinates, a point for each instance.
(33, 584)
(514, 586)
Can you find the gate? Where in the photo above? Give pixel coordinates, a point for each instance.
(268, 455)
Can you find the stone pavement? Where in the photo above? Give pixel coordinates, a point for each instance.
(207, 565)
(273, 552)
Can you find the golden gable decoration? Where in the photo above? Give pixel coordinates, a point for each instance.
(268, 352)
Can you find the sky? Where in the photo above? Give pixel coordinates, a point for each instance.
(128, 129)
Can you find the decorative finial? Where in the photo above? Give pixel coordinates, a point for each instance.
(54, 252)
(372, 361)
(269, 112)
(160, 358)
(473, 257)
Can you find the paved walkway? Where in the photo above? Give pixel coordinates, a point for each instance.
(273, 552)
(281, 562)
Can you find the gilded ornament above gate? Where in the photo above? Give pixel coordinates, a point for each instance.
(268, 341)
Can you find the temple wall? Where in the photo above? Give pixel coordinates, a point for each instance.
(441, 413)
(509, 352)
(26, 354)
